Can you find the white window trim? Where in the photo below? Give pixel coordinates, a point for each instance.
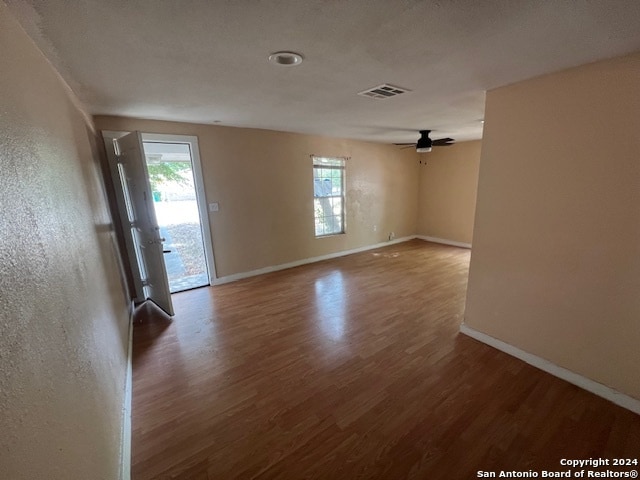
(343, 214)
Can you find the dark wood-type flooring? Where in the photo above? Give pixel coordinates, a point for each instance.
(351, 368)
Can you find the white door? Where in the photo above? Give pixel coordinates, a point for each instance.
(132, 170)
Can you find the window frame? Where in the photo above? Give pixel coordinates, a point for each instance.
(321, 162)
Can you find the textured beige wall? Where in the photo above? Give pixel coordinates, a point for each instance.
(262, 180)
(63, 324)
(448, 187)
(555, 268)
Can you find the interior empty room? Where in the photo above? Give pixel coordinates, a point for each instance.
(295, 240)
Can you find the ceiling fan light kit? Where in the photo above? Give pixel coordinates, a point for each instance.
(425, 143)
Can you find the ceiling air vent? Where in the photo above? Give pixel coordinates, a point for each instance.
(383, 91)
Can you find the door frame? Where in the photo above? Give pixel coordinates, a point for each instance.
(201, 198)
(196, 165)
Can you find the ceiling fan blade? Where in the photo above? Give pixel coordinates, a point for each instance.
(443, 142)
(405, 143)
(411, 145)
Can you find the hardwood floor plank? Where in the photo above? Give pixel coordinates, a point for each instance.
(352, 368)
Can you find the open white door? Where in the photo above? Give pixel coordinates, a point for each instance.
(141, 219)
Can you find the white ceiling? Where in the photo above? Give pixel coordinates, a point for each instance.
(206, 61)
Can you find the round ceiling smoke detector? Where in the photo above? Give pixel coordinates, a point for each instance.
(286, 59)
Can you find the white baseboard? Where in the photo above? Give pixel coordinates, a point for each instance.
(444, 241)
(125, 454)
(297, 263)
(585, 383)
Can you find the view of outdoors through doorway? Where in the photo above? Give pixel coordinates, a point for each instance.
(174, 198)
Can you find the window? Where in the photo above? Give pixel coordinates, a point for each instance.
(328, 195)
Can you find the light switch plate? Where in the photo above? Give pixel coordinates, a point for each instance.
(214, 207)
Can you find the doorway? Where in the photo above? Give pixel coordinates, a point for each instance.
(175, 186)
(174, 174)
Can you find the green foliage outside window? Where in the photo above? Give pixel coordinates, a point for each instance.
(166, 172)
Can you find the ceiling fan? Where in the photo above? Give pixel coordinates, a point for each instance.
(424, 144)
